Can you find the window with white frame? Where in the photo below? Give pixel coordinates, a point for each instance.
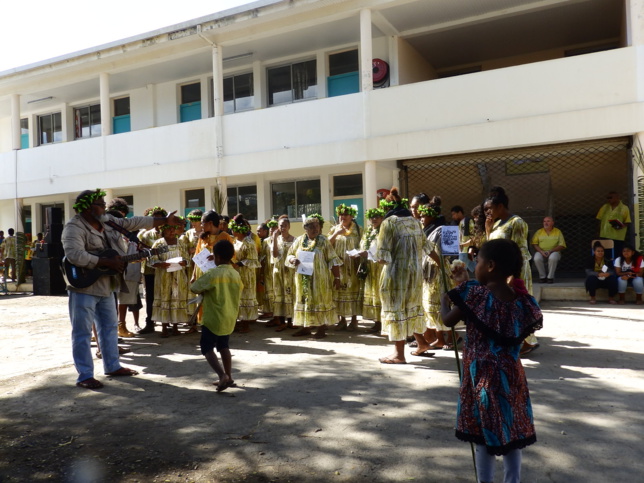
(190, 108)
(87, 121)
(50, 128)
(294, 82)
(242, 199)
(238, 93)
(296, 198)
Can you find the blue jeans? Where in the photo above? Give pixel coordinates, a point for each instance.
(85, 310)
(637, 283)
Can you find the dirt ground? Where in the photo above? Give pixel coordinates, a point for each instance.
(307, 410)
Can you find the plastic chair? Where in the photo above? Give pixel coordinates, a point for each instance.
(609, 247)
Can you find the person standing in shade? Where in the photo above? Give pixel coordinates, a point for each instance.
(10, 250)
(614, 218)
(83, 237)
(148, 237)
(548, 242)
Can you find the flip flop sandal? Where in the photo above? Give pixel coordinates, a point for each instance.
(90, 383)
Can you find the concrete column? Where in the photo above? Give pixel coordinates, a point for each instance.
(366, 51)
(106, 105)
(258, 82)
(634, 22)
(263, 202)
(321, 74)
(325, 199)
(109, 194)
(222, 182)
(15, 121)
(19, 205)
(370, 186)
(218, 105)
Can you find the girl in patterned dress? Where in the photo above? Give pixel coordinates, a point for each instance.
(494, 409)
(246, 262)
(500, 223)
(170, 288)
(345, 236)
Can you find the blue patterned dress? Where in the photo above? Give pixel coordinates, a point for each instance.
(494, 406)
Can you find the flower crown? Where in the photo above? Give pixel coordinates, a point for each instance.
(86, 201)
(343, 209)
(157, 209)
(392, 205)
(194, 217)
(375, 213)
(427, 210)
(271, 223)
(236, 228)
(318, 217)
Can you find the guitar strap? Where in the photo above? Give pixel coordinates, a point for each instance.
(130, 235)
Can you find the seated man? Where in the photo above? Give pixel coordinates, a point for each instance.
(547, 243)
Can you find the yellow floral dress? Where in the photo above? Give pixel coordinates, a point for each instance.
(170, 288)
(283, 280)
(347, 297)
(515, 229)
(314, 294)
(371, 304)
(433, 284)
(401, 245)
(266, 261)
(246, 255)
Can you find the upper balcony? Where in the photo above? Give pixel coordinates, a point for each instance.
(582, 97)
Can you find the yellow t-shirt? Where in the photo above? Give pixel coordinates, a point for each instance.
(607, 213)
(548, 242)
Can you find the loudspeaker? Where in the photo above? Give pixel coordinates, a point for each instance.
(48, 278)
(54, 234)
(53, 216)
(46, 250)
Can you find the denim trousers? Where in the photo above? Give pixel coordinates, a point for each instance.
(85, 310)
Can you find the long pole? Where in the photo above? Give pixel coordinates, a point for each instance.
(455, 344)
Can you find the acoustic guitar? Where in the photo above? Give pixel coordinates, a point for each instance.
(80, 277)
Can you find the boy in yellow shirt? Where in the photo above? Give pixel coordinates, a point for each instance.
(221, 288)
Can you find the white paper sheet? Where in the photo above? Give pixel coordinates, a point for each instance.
(201, 260)
(604, 269)
(450, 240)
(306, 262)
(371, 253)
(353, 253)
(174, 264)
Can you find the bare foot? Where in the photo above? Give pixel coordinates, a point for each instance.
(303, 332)
(392, 360)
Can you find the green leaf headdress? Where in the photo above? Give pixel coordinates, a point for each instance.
(343, 209)
(85, 201)
(375, 213)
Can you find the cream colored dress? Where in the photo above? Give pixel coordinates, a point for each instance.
(347, 297)
(246, 255)
(371, 304)
(401, 245)
(314, 294)
(170, 288)
(283, 281)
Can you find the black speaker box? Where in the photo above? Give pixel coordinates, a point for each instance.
(53, 216)
(54, 234)
(48, 278)
(47, 250)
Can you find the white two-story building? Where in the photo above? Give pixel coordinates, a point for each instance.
(293, 106)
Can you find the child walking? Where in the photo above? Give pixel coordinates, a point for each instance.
(494, 409)
(221, 288)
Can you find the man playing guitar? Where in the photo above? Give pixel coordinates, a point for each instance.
(84, 236)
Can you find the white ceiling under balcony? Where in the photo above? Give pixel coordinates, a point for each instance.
(448, 33)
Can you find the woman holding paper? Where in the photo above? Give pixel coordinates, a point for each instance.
(314, 259)
(170, 282)
(600, 274)
(401, 245)
(345, 239)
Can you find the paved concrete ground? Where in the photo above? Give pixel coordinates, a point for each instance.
(308, 410)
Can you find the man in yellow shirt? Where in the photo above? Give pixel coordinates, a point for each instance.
(614, 219)
(547, 243)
